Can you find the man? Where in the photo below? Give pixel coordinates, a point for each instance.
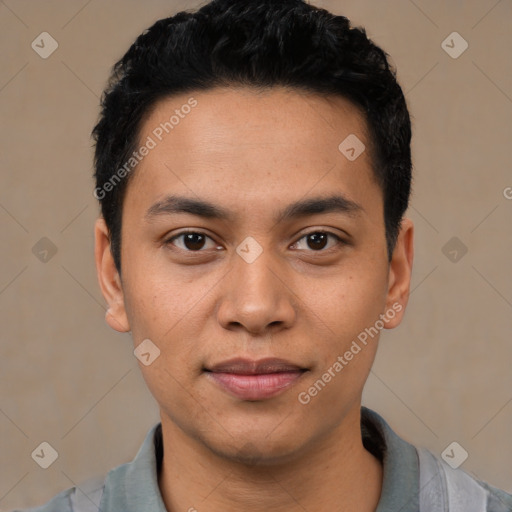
(253, 168)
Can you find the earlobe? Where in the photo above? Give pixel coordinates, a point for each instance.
(111, 317)
(400, 270)
(109, 279)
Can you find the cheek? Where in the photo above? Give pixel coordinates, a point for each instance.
(350, 308)
(347, 303)
(165, 310)
(155, 297)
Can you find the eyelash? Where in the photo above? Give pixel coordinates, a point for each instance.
(338, 239)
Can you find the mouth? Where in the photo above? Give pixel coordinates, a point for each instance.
(252, 380)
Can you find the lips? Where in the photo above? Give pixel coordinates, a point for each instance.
(254, 380)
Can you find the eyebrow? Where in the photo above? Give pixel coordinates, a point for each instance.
(175, 205)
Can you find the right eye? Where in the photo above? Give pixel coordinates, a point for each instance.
(190, 241)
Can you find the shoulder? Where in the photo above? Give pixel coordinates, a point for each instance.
(422, 480)
(498, 499)
(453, 489)
(85, 497)
(126, 487)
(59, 503)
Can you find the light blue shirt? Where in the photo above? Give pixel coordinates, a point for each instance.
(133, 487)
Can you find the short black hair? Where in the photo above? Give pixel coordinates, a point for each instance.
(261, 44)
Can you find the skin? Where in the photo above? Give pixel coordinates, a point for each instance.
(254, 153)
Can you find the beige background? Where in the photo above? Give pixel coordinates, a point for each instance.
(444, 375)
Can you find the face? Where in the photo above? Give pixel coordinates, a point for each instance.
(254, 259)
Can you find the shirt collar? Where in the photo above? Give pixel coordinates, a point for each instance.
(400, 485)
(133, 486)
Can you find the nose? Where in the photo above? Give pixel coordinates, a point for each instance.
(256, 297)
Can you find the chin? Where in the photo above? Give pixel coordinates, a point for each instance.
(257, 450)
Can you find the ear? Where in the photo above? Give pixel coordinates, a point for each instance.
(109, 279)
(399, 278)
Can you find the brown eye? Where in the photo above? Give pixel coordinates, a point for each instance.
(191, 241)
(318, 240)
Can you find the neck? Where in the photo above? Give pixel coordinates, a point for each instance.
(334, 473)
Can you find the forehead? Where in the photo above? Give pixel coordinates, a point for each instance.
(257, 142)
(236, 115)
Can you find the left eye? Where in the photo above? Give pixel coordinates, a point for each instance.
(318, 240)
